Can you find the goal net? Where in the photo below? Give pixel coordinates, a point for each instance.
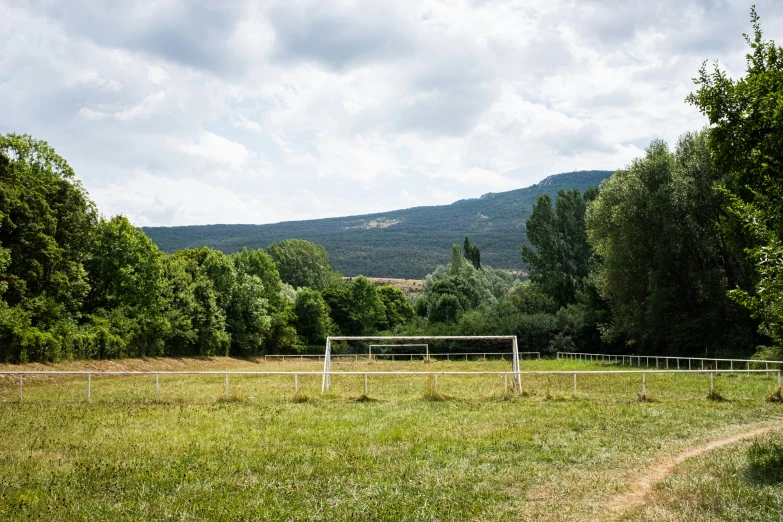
(511, 339)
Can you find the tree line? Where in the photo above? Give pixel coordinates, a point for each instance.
(677, 253)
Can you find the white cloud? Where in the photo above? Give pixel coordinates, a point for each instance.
(184, 113)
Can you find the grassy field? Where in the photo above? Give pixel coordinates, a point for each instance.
(402, 453)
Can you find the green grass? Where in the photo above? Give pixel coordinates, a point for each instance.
(402, 452)
(740, 483)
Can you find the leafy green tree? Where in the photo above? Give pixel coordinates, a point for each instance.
(128, 286)
(368, 307)
(197, 320)
(561, 260)
(662, 269)
(398, 309)
(303, 264)
(341, 309)
(47, 225)
(248, 318)
(746, 140)
(313, 322)
(472, 252)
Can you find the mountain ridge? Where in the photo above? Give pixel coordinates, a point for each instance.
(403, 243)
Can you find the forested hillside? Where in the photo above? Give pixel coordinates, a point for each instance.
(406, 243)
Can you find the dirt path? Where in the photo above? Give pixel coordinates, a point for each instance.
(635, 497)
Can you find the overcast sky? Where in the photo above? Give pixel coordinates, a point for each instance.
(176, 112)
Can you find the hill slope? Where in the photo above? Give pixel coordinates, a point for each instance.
(407, 243)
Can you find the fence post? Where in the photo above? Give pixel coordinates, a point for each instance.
(778, 380)
(574, 384)
(89, 387)
(296, 384)
(21, 385)
(157, 386)
(435, 388)
(505, 383)
(365, 384)
(226, 386)
(712, 383)
(644, 384)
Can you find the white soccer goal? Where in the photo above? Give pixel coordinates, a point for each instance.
(425, 346)
(326, 382)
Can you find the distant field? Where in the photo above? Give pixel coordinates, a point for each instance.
(409, 286)
(400, 454)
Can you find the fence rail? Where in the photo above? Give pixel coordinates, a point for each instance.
(657, 360)
(357, 356)
(296, 374)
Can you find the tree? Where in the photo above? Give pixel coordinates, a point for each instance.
(340, 301)
(561, 260)
(472, 253)
(47, 225)
(368, 307)
(197, 320)
(746, 140)
(395, 303)
(127, 286)
(303, 264)
(662, 267)
(312, 316)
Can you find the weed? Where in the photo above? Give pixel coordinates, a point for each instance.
(300, 398)
(716, 397)
(775, 396)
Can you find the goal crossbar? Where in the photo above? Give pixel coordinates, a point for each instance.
(516, 381)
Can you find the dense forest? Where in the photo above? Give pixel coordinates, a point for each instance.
(406, 243)
(678, 253)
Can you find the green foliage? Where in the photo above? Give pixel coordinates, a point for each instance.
(303, 264)
(471, 252)
(128, 286)
(47, 226)
(313, 322)
(368, 307)
(197, 320)
(397, 307)
(561, 260)
(664, 268)
(746, 140)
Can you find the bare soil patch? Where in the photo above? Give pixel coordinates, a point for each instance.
(409, 286)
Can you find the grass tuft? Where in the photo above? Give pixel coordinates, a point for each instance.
(365, 398)
(300, 398)
(717, 397)
(775, 396)
(434, 396)
(643, 397)
(233, 398)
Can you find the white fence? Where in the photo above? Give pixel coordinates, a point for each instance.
(516, 376)
(661, 361)
(410, 356)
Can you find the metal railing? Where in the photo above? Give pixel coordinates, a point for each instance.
(648, 361)
(394, 356)
(296, 374)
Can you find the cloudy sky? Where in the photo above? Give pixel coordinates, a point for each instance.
(176, 112)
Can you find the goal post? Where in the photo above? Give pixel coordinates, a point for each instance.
(516, 381)
(425, 345)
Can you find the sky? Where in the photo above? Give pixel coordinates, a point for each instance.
(187, 112)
